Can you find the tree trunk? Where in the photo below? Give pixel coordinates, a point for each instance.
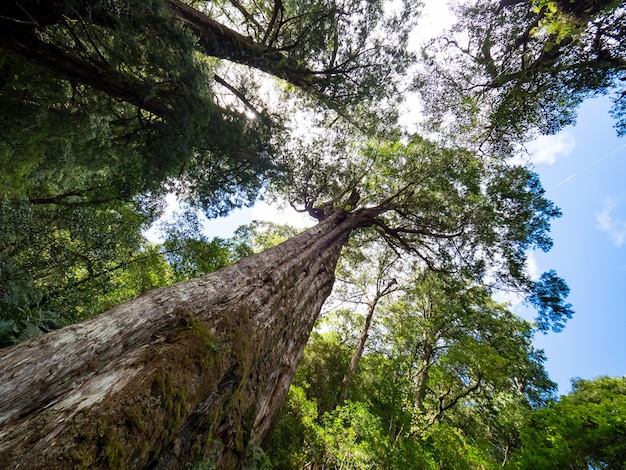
(356, 356)
(105, 79)
(21, 21)
(360, 347)
(219, 41)
(421, 381)
(179, 374)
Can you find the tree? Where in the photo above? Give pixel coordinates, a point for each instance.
(203, 366)
(466, 363)
(107, 106)
(584, 429)
(442, 205)
(446, 383)
(466, 367)
(62, 262)
(368, 289)
(339, 51)
(223, 157)
(508, 70)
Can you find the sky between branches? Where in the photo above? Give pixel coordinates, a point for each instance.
(582, 168)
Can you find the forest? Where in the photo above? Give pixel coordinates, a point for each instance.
(380, 337)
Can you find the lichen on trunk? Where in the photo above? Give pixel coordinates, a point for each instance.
(195, 369)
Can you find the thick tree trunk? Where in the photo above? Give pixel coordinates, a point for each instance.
(219, 41)
(184, 372)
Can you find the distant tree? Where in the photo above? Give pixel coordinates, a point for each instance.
(467, 369)
(363, 287)
(583, 429)
(507, 70)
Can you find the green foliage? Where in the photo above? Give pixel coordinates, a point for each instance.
(455, 210)
(122, 104)
(350, 54)
(548, 298)
(584, 429)
(190, 255)
(508, 70)
(152, 120)
(446, 381)
(259, 236)
(61, 263)
(322, 369)
(297, 424)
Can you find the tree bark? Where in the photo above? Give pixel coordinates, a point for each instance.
(179, 374)
(421, 380)
(222, 42)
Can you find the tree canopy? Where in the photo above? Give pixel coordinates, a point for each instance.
(510, 69)
(452, 209)
(445, 382)
(107, 106)
(584, 429)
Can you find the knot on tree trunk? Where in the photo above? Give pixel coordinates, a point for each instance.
(327, 209)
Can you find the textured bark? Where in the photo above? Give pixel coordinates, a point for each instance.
(184, 372)
(219, 41)
(113, 83)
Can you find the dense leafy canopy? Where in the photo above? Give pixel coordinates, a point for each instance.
(445, 382)
(451, 209)
(584, 429)
(107, 106)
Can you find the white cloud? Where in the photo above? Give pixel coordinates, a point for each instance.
(608, 222)
(547, 148)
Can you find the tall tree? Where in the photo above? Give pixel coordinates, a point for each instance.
(366, 289)
(338, 50)
(204, 365)
(106, 106)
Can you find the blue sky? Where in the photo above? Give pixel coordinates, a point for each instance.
(585, 178)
